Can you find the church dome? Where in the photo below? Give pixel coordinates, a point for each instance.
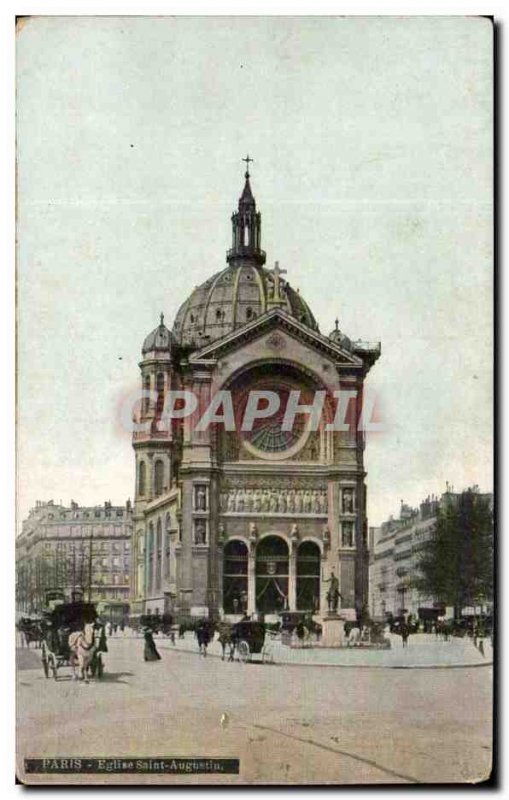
(235, 297)
(244, 290)
(159, 340)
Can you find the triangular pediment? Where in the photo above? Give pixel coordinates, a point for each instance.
(273, 320)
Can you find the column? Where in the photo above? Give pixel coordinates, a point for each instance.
(251, 582)
(292, 580)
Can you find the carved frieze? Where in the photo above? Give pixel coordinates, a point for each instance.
(280, 501)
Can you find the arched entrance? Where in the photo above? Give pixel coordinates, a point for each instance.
(271, 575)
(235, 557)
(308, 577)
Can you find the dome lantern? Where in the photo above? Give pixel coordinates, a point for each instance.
(246, 228)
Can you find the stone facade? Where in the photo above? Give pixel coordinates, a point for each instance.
(394, 553)
(85, 550)
(226, 523)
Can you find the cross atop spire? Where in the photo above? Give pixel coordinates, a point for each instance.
(247, 159)
(276, 297)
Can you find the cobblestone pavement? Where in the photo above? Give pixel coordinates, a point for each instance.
(286, 725)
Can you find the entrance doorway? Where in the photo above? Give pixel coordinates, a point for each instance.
(272, 575)
(235, 577)
(308, 577)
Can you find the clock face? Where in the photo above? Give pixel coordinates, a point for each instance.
(267, 439)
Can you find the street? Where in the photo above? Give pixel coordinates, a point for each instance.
(286, 723)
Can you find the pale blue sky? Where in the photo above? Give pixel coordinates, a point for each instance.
(372, 143)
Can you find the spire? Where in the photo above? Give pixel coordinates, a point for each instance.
(246, 197)
(246, 227)
(161, 316)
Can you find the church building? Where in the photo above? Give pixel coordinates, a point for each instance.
(231, 521)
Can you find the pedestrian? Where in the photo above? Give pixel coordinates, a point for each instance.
(404, 633)
(150, 651)
(102, 647)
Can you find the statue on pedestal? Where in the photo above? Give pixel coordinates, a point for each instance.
(333, 594)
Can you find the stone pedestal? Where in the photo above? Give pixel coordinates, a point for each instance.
(333, 631)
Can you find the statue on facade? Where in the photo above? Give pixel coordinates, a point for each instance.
(333, 594)
(231, 500)
(201, 532)
(316, 502)
(201, 498)
(298, 501)
(307, 503)
(291, 501)
(282, 502)
(347, 501)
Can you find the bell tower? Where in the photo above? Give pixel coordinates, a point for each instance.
(246, 228)
(153, 444)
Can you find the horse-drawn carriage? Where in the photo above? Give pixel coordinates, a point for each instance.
(71, 639)
(247, 638)
(31, 630)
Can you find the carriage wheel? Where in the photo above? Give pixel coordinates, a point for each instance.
(244, 653)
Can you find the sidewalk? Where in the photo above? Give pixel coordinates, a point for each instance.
(423, 651)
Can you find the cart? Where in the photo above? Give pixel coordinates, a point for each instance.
(59, 623)
(249, 638)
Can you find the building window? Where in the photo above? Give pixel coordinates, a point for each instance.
(142, 476)
(347, 534)
(159, 553)
(149, 558)
(146, 400)
(160, 393)
(158, 478)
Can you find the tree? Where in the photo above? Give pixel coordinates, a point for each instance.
(456, 564)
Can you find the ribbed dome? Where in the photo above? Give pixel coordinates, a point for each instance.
(160, 339)
(233, 298)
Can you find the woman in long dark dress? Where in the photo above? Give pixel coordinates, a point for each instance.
(150, 651)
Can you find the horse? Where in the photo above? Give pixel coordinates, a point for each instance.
(83, 649)
(226, 639)
(204, 631)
